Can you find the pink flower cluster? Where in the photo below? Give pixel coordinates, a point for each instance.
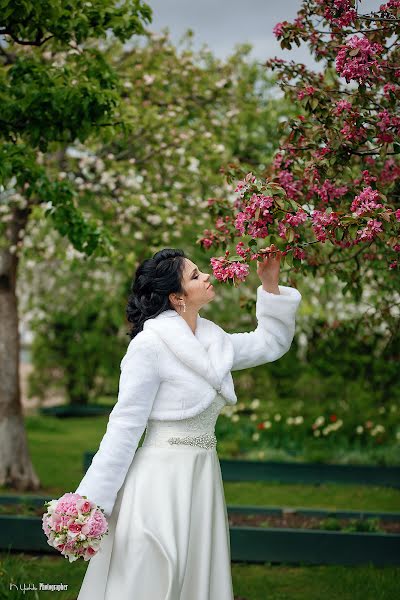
(388, 121)
(342, 105)
(366, 178)
(389, 6)
(74, 526)
(223, 270)
(339, 12)
(279, 30)
(309, 90)
(291, 187)
(249, 218)
(370, 231)
(353, 133)
(365, 202)
(244, 183)
(296, 219)
(358, 59)
(329, 191)
(321, 220)
(208, 239)
(281, 161)
(390, 171)
(299, 253)
(391, 88)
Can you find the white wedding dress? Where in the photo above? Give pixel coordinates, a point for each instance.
(168, 532)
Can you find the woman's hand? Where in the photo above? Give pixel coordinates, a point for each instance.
(268, 269)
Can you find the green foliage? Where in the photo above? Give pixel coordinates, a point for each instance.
(77, 347)
(43, 101)
(19, 166)
(36, 22)
(145, 185)
(56, 88)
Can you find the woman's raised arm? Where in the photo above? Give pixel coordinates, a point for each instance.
(276, 308)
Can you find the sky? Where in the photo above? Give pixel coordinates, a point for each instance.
(221, 24)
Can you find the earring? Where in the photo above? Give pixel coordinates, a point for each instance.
(184, 307)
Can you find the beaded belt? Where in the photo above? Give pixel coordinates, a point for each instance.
(161, 440)
(198, 430)
(206, 440)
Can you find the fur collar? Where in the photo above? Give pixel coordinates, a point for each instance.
(208, 351)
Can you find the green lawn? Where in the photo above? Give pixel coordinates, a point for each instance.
(253, 582)
(57, 447)
(330, 496)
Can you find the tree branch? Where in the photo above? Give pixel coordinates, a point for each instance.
(38, 41)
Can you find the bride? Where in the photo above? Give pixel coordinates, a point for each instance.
(164, 501)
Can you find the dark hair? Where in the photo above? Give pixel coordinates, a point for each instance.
(155, 279)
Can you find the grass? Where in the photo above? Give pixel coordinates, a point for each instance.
(57, 447)
(253, 582)
(262, 582)
(329, 496)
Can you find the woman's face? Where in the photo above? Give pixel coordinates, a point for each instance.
(197, 285)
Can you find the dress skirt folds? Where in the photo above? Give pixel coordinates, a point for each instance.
(168, 532)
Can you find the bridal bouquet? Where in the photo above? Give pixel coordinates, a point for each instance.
(74, 525)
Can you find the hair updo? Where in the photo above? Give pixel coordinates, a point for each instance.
(155, 279)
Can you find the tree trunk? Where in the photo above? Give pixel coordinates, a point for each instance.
(16, 470)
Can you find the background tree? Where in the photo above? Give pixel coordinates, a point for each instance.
(330, 200)
(148, 184)
(55, 87)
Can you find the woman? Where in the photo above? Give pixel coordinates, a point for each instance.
(168, 524)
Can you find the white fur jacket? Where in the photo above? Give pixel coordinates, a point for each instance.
(170, 373)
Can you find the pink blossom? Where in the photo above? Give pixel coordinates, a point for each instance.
(340, 13)
(370, 231)
(95, 525)
(281, 161)
(389, 88)
(390, 171)
(357, 60)
(299, 253)
(84, 505)
(321, 152)
(328, 191)
(262, 202)
(243, 184)
(221, 225)
(365, 202)
(291, 187)
(67, 503)
(296, 219)
(391, 5)
(207, 243)
(321, 220)
(240, 222)
(397, 214)
(257, 229)
(309, 90)
(342, 105)
(75, 527)
(278, 29)
(385, 137)
(240, 251)
(366, 178)
(224, 270)
(240, 186)
(89, 553)
(388, 121)
(352, 133)
(282, 230)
